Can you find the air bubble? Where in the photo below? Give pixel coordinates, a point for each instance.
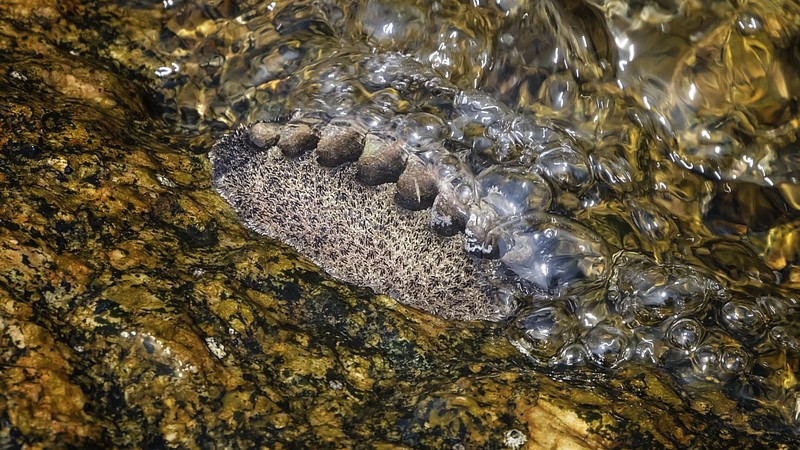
(513, 190)
(734, 359)
(518, 137)
(565, 168)
(786, 337)
(686, 334)
(613, 170)
(656, 292)
(777, 308)
(372, 117)
(391, 24)
(558, 92)
(705, 360)
(389, 70)
(749, 23)
(479, 108)
(608, 346)
(743, 318)
(574, 354)
(652, 223)
(649, 345)
(552, 253)
(546, 330)
(420, 130)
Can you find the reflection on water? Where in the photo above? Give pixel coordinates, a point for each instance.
(635, 165)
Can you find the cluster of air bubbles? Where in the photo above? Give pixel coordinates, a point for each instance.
(675, 317)
(514, 184)
(589, 195)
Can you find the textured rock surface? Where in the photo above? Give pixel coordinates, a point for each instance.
(354, 231)
(136, 312)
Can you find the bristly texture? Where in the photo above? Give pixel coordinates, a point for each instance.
(355, 232)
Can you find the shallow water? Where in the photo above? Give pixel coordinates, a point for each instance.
(661, 138)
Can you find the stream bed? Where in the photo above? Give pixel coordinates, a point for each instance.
(138, 311)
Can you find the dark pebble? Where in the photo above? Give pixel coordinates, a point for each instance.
(296, 139)
(416, 187)
(339, 144)
(447, 218)
(264, 134)
(382, 161)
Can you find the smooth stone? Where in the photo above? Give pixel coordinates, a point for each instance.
(381, 162)
(265, 134)
(339, 144)
(416, 187)
(297, 139)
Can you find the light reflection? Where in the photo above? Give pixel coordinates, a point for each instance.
(692, 91)
(165, 71)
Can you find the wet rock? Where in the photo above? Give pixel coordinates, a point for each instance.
(339, 144)
(117, 333)
(296, 139)
(382, 161)
(416, 187)
(264, 135)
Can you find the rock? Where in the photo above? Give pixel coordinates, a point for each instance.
(339, 144)
(382, 161)
(416, 187)
(264, 135)
(297, 139)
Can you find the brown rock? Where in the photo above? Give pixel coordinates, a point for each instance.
(296, 139)
(339, 144)
(416, 187)
(264, 134)
(382, 161)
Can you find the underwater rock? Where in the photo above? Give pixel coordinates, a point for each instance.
(381, 162)
(295, 139)
(339, 144)
(416, 187)
(354, 231)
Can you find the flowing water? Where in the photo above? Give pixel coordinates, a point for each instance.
(634, 165)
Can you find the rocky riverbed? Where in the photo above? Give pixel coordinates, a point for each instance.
(137, 312)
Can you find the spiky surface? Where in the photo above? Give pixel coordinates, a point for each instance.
(353, 231)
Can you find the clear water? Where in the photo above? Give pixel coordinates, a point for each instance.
(636, 166)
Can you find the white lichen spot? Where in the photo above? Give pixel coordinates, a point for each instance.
(514, 439)
(18, 76)
(171, 436)
(16, 335)
(471, 244)
(216, 348)
(59, 164)
(165, 181)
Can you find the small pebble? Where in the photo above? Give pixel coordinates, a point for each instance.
(296, 139)
(265, 134)
(339, 144)
(382, 161)
(416, 187)
(447, 217)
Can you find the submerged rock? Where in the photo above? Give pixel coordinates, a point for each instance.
(136, 311)
(352, 230)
